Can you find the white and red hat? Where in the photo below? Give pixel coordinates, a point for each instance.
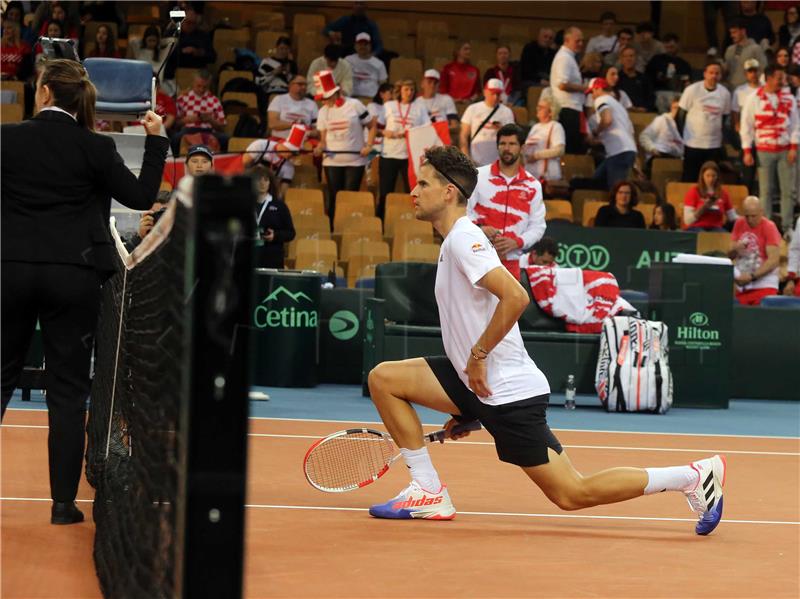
(297, 135)
(431, 74)
(363, 37)
(597, 83)
(325, 84)
(495, 85)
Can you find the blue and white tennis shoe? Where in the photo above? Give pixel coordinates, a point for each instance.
(416, 502)
(706, 497)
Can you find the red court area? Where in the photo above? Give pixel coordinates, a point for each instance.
(507, 540)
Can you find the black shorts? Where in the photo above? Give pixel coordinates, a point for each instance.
(520, 431)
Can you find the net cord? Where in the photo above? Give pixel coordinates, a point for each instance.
(116, 361)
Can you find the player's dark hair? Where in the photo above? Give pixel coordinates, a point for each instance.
(511, 129)
(626, 31)
(332, 52)
(546, 245)
(453, 166)
(772, 69)
(384, 87)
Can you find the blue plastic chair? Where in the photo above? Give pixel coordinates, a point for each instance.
(126, 89)
(365, 283)
(781, 301)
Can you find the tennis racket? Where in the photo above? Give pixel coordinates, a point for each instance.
(356, 457)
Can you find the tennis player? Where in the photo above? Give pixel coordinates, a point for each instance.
(488, 375)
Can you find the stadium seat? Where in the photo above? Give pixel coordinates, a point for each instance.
(228, 74)
(417, 252)
(507, 32)
(664, 170)
(316, 254)
(484, 50)
(343, 213)
(590, 208)
(533, 98)
(353, 242)
(713, 241)
(675, 192)
(126, 89)
(405, 68)
(356, 198)
(414, 230)
(737, 194)
(558, 210)
(11, 113)
(402, 44)
(271, 21)
(265, 41)
(577, 165)
(427, 29)
(357, 263)
(781, 301)
(521, 115)
(392, 27)
(434, 46)
(306, 176)
(647, 211)
(304, 233)
(647, 197)
(226, 40)
(312, 222)
(309, 45)
(249, 99)
(18, 89)
(299, 193)
(395, 214)
(581, 196)
(240, 144)
(399, 199)
(307, 22)
(303, 201)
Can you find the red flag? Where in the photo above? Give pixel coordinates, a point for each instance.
(419, 139)
(224, 164)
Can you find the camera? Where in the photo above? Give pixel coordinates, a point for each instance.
(158, 214)
(177, 15)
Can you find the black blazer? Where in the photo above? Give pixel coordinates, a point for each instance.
(58, 179)
(277, 217)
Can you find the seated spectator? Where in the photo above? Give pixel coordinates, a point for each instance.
(591, 66)
(668, 72)
(368, 71)
(274, 226)
(634, 83)
(661, 138)
(543, 252)
(741, 93)
(277, 153)
(276, 70)
(664, 217)
(606, 41)
(104, 12)
(55, 29)
(537, 58)
(646, 45)
(16, 56)
(707, 204)
(195, 49)
(742, 50)
(507, 73)
(789, 32)
(15, 13)
(151, 48)
(343, 31)
(620, 211)
(758, 25)
(793, 267)
(460, 79)
(755, 251)
(440, 106)
(480, 123)
(624, 40)
(611, 126)
(331, 60)
(57, 11)
(199, 111)
(293, 108)
(545, 144)
(105, 46)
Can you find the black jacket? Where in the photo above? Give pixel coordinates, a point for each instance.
(277, 217)
(58, 179)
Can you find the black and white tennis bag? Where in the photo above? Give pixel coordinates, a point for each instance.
(633, 372)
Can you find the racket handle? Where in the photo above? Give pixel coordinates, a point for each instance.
(441, 435)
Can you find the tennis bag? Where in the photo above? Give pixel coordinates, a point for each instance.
(633, 372)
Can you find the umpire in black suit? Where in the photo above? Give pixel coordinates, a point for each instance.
(58, 178)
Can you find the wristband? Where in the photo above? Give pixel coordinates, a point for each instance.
(476, 358)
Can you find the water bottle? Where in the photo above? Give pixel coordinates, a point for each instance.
(570, 401)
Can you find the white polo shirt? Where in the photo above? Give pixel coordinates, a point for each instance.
(367, 75)
(439, 107)
(399, 118)
(617, 138)
(704, 113)
(483, 148)
(544, 136)
(344, 125)
(303, 111)
(565, 70)
(465, 310)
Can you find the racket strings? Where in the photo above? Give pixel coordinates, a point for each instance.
(342, 463)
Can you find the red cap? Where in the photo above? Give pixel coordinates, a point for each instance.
(597, 83)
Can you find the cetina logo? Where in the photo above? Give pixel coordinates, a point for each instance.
(698, 319)
(267, 315)
(343, 325)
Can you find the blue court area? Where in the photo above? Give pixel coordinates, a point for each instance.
(345, 403)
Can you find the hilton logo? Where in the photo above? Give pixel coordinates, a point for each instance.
(697, 336)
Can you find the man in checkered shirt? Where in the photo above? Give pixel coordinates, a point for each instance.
(199, 111)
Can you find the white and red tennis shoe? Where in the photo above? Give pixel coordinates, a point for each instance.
(416, 502)
(706, 497)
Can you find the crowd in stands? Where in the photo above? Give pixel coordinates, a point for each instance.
(626, 102)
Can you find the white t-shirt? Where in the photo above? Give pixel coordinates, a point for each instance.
(400, 118)
(465, 310)
(483, 148)
(544, 136)
(705, 111)
(367, 75)
(618, 137)
(293, 111)
(565, 70)
(263, 151)
(344, 125)
(439, 107)
(739, 95)
(624, 99)
(602, 44)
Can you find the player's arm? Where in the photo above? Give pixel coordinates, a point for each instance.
(275, 123)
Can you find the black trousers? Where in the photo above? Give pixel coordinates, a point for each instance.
(388, 170)
(571, 121)
(693, 159)
(65, 299)
(341, 178)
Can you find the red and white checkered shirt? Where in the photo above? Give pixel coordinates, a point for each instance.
(190, 102)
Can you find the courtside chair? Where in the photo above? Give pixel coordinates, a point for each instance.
(126, 89)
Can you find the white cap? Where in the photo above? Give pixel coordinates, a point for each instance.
(495, 85)
(431, 74)
(363, 37)
(750, 63)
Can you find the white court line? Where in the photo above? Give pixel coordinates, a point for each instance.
(262, 506)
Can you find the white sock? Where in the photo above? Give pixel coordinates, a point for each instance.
(422, 470)
(673, 478)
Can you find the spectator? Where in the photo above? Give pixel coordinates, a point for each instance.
(758, 25)
(105, 46)
(611, 75)
(104, 12)
(199, 111)
(343, 31)
(606, 41)
(755, 250)
(568, 89)
(537, 58)
(460, 79)
(545, 144)
(15, 13)
(782, 59)
(591, 66)
(634, 83)
(620, 211)
(646, 45)
(55, 29)
(274, 226)
(276, 70)
(152, 49)
(289, 109)
(165, 108)
(770, 123)
(341, 124)
(368, 71)
(376, 108)
(624, 40)
(199, 160)
(439, 106)
(789, 32)
(15, 55)
(744, 91)
(668, 73)
(400, 115)
(507, 203)
(664, 217)
(507, 73)
(710, 9)
(742, 50)
(661, 139)
(612, 126)
(793, 267)
(480, 122)
(544, 252)
(194, 50)
(57, 11)
(331, 60)
(277, 154)
(707, 204)
(703, 105)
